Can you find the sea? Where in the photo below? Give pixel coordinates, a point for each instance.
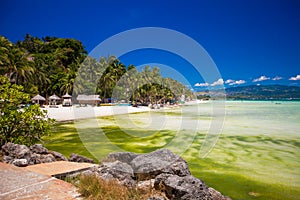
(245, 149)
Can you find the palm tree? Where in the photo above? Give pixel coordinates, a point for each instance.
(5, 46)
(20, 66)
(67, 83)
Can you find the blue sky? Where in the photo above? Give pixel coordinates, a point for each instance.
(251, 42)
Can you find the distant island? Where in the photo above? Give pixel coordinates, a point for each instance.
(254, 92)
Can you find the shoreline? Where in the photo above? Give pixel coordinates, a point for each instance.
(65, 114)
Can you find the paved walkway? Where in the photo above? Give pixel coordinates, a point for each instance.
(37, 182)
(59, 168)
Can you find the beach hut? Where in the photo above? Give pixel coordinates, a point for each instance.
(88, 99)
(38, 99)
(53, 100)
(67, 100)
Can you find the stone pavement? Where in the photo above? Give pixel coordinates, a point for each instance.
(59, 168)
(37, 182)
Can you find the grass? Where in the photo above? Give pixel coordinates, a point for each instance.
(93, 188)
(240, 166)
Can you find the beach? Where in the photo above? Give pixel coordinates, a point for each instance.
(75, 112)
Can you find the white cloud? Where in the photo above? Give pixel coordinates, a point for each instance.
(239, 82)
(229, 81)
(296, 78)
(262, 78)
(234, 82)
(218, 82)
(276, 78)
(201, 85)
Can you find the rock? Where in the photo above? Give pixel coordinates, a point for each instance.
(20, 162)
(7, 159)
(58, 156)
(146, 185)
(147, 166)
(117, 170)
(183, 188)
(125, 157)
(39, 149)
(41, 158)
(16, 151)
(217, 195)
(163, 173)
(118, 167)
(81, 159)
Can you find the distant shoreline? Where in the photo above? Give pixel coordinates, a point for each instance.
(65, 114)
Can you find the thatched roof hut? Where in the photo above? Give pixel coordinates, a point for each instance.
(54, 99)
(88, 99)
(38, 98)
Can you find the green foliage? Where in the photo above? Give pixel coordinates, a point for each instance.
(51, 65)
(25, 126)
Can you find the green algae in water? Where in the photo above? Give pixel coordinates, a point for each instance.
(256, 157)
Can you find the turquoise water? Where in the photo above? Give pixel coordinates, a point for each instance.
(262, 117)
(245, 149)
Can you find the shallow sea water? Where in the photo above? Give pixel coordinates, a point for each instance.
(245, 149)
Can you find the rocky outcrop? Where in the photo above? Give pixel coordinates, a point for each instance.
(147, 166)
(163, 171)
(185, 188)
(21, 155)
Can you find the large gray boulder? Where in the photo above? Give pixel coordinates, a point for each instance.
(182, 188)
(147, 166)
(118, 170)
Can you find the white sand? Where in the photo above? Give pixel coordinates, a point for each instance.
(76, 112)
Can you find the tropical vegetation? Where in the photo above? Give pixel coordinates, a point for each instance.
(25, 126)
(52, 65)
